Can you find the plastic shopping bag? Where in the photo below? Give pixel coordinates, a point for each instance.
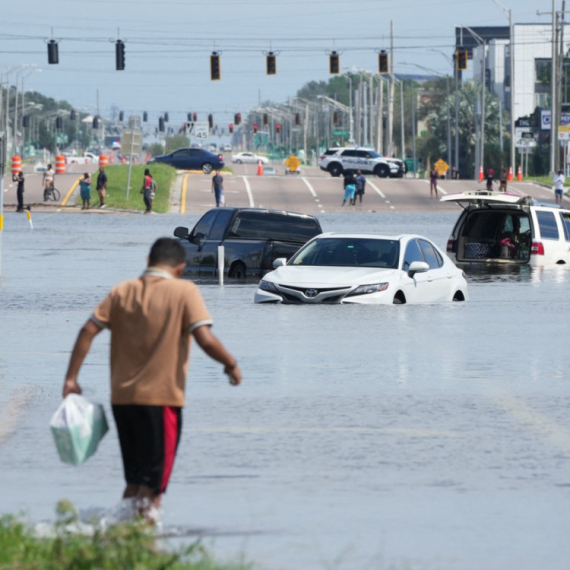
(78, 426)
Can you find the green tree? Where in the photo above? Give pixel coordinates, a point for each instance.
(176, 141)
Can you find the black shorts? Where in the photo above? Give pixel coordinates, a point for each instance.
(149, 437)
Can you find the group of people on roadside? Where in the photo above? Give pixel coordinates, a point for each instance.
(85, 189)
(353, 188)
(503, 179)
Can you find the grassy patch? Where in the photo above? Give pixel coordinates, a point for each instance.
(117, 175)
(545, 180)
(131, 546)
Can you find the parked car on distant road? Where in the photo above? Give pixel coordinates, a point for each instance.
(253, 238)
(365, 269)
(227, 148)
(504, 228)
(342, 160)
(191, 159)
(248, 158)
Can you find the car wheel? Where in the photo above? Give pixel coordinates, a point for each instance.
(237, 270)
(382, 171)
(399, 299)
(335, 169)
(207, 168)
(458, 296)
(238, 161)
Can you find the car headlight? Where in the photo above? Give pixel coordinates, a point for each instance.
(268, 286)
(367, 289)
(394, 167)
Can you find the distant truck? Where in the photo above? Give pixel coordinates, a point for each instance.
(253, 239)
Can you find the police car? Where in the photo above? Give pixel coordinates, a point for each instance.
(338, 161)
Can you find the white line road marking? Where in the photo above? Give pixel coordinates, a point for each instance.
(438, 187)
(377, 190)
(248, 190)
(312, 190)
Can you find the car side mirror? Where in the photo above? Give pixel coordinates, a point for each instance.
(279, 262)
(417, 267)
(199, 239)
(181, 232)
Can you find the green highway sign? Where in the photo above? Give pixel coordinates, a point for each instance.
(341, 133)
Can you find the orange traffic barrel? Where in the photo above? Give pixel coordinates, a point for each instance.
(60, 164)
(103, 160)
(16, 164)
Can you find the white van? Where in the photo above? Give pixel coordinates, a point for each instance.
(499, 227)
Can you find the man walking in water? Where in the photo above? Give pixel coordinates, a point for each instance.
(152, 320)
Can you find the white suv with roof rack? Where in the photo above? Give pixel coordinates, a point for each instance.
(338, 161)
(499, 227)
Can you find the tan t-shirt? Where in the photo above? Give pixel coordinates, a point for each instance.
(151, 320)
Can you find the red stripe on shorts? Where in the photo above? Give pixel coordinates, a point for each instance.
(170, 420)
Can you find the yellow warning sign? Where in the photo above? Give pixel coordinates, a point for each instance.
(293, 163)
(441, 166)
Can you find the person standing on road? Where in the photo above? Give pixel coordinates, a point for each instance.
(490, 179)
(433, 183)
(218, 188)
(360, 185)
(146, 190)
(503, 179)
(559, 180)
(152, 320)
(19, 178)
(48, 179)
(102, 187)
(85, 190)
(349, 189)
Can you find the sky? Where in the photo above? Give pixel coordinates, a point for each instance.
(168, 43)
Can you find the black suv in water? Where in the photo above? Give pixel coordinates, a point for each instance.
(252, 237)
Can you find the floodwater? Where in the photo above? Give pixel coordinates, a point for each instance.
(401, 437)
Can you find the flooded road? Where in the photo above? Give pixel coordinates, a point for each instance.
(404, 437)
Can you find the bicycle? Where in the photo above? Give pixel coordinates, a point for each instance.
(51, 193)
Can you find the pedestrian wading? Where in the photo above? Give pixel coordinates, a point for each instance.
(151, 320)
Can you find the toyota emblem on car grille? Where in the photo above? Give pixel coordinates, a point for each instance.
(311, 293)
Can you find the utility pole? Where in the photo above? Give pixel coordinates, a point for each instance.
(402, 130)
(414, 129)
(390, 124)
(553, 98)
(380, 117)
(559, 86)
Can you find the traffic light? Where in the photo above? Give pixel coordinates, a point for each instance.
(145, 117)
(194, 117)
(336, 118)
(121, 116)
(488, 79)
(120, 55)
(58, 123)
(215, 66)
(297, 119)
(95, 122)
(53, 52)
(271, 63)
(189, 117)
(383, 64)
(461, 59)
(72, 115)
(334, 63)
(210, 121)
(237, 118)
(161, 124)
(254, 129)
(265, 119)
(231, 129)
(166, 117)
(25, 121)
(277, 128)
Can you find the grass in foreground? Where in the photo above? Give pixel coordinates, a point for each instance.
(131, 546)
(545, 180)
(117, 175)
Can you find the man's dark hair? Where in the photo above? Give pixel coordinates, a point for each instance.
(166, 251)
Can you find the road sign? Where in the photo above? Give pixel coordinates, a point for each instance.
(200, 131)
(131, 142)
(441, 166)
(564, 135)
(341, 133)
(524, 137)
(293, 163)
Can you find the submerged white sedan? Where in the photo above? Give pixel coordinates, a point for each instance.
(366, 269)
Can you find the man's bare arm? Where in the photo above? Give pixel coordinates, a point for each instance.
(212, 346)
(82, 345)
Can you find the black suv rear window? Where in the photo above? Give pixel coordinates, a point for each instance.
(254, 225)
(547, 225)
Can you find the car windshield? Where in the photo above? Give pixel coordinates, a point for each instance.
(349, 252)
(374, 154)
